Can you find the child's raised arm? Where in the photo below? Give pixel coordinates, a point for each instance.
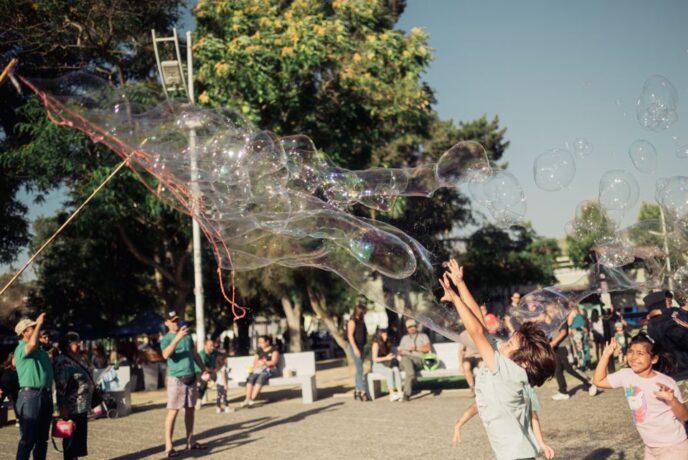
(456, 275)
(599, 379)
(473, 325)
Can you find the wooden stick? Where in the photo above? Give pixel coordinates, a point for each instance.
(62, 227)
(8, 68)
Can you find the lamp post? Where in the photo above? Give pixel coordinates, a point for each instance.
(172, 77)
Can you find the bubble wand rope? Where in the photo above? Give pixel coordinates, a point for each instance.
(179, 191)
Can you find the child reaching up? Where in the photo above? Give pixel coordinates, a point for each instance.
(655, 402)
(500, 383)
(535, 421)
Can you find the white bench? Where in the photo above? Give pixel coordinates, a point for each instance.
(119, 389)
(301, 366)
(448, 355)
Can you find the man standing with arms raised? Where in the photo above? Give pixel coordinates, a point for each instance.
(35, 402)
(179, 351)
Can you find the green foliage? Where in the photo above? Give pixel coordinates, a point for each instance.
(496, 259)
(587, 229)
(334, 71)
(126, 250)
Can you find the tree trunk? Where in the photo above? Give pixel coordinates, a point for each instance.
(319, 306)
(292, 310)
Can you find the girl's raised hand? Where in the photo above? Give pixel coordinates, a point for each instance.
(665, 393)
(609, 348)
(444, 282)
(455, 272)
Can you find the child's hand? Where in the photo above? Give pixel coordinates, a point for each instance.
(457, 433)
(609, 348)
(448, 292)
(665, 393)
(455, 272)
(548, 451)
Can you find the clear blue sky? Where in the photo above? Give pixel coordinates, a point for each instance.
(555, 71)
(552, 72)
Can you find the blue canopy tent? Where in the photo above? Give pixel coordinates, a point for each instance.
(145, 322)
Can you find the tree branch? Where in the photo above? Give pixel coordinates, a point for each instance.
(146, 260)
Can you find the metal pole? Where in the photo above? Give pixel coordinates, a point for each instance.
(196, 230)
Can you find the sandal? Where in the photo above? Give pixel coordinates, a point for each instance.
(171, 453)
(196, 446)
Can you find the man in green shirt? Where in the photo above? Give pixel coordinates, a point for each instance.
(179, 351)
(35, 402)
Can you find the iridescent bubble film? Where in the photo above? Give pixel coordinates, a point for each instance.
(644, 156)
(554, 170)
(656, 108)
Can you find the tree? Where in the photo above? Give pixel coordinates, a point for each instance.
(586, 229)
(50, 37)
(336, 71)
(500, 260)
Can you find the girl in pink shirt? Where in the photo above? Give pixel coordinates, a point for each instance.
(654, 399)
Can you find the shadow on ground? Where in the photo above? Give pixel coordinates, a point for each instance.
(236, 435)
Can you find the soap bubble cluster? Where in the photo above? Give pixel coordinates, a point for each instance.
(554, 169)
(644, 156)
(656, 108)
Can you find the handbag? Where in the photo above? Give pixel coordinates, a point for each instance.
(188, 379)
(62, 429)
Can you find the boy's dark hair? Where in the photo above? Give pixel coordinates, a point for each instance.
(537, 352)
(666, 362)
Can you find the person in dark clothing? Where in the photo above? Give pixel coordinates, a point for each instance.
(559, 344)
(357, 335)
(9, 383)
(667, 328)
(609, 318)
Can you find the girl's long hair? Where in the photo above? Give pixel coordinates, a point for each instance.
(666, 362)
(384, 346)
(359, 312)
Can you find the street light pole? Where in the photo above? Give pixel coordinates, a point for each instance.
(195, 192)
(172, 77)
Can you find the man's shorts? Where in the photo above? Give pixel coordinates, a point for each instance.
(179, 395)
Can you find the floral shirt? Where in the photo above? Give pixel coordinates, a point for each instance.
(73, 385)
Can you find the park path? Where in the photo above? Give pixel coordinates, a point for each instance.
(337, 427)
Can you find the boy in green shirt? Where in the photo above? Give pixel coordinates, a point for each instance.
(35, 402)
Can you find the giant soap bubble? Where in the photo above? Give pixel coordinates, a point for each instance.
(261, 199)
(554, 169)
(643, 155)
(657, 104)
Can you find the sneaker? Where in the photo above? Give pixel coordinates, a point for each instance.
(228, 410)
(251, 402)
(561, 397)
(218, 410)
(592, 391)
(246, 402)
(405, 398)
(394, 397)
